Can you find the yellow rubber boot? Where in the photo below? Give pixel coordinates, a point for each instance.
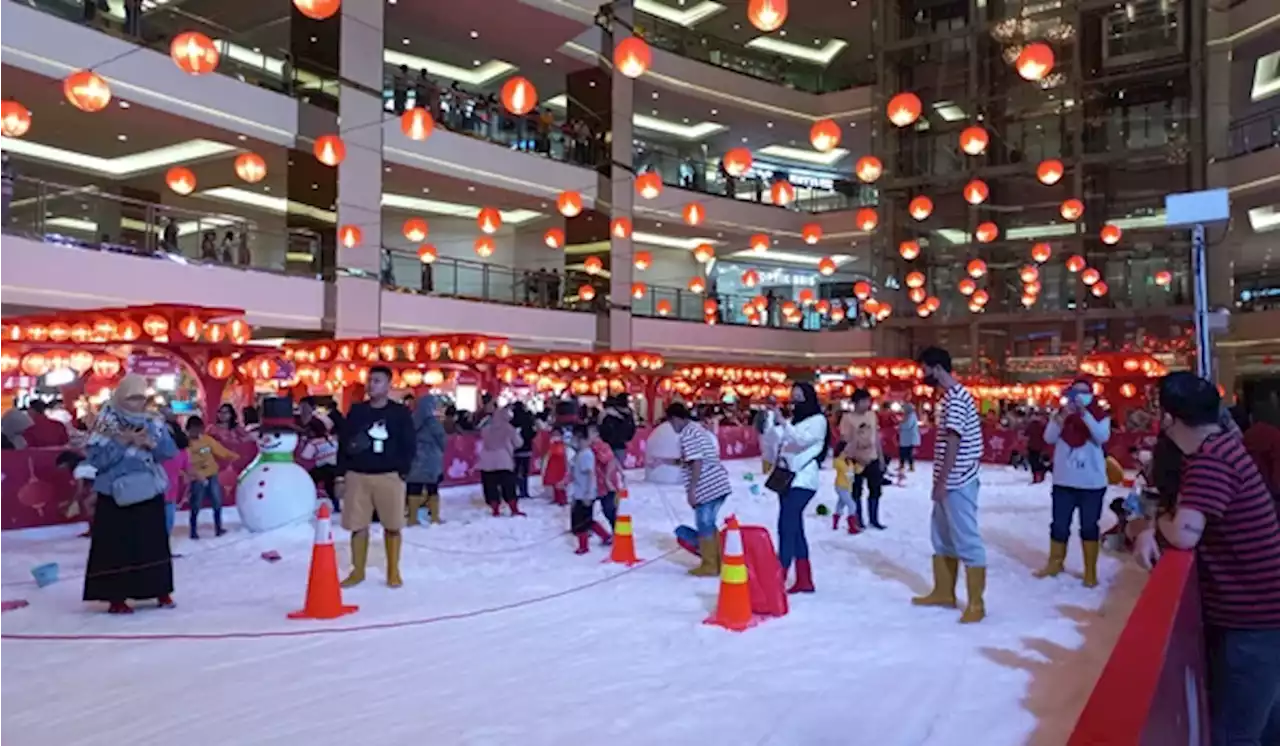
(415, 505)
(433, 508)
(709, 548)
(1057, 558)
(944, 583)
(975, 583)
(359, 558)
(1090, 563)
(392, 542)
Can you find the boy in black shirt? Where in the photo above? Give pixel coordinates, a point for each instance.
(375, 452)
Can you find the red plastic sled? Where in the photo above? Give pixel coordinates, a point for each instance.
(766, 581)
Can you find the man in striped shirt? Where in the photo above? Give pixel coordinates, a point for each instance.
(1225, 513)
(706, 483)
(956, 453)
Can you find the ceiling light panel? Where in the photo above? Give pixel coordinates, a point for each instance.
(122, 166)
(816, 56)
(686, 17)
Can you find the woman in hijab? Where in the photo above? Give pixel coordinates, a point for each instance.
(802, 447)
(129, 551)
(13, 425)
(1077, 433)
(428, 461)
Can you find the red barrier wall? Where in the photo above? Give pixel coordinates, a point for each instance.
(1152, 690)
(34, 492)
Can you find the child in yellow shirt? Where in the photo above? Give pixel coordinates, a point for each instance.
(205, 453)
(846, 469)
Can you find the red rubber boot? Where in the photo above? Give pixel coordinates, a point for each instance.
(804, 578)
(835, 521)
(606, 538)
(582, 544)
(853, 525)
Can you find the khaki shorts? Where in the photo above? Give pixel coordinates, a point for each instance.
(366, 493)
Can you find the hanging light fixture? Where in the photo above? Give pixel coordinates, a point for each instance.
(750, 278)
(1034, 61)
(868, 169)
(1041, 252)
(1099, 289)
(1075, 263)
(811, 233)
(1071, 209)
(1090, 276)
(632, 57)
(909, 249)
(1050, 171)
(697, 285)
(986, 232)
(350, 236)
(194, 53)
(620, 228)
(329, 150)
(1110, 234)
(427, 254)
(251, 167)
(976, 268)
(519, 96)
(904, 109)
(15, 119)
(417, 124)
(694, 213)
(981, 297)
(415, 230)
(586, 292)
(826, 266)
(553, 238)
(489, 220)
(976, 192)
(593, 265)
(484, 247)
(824, 135)
(649, 184)
(917, 295)
(638, 290)
(767, 15)
(920, 207)
(866, 219)
(87, 91)
(181, 180)
(736, 162)
(974, 140)
(759, 243)
(862, 290)
(782, 192)
(704, 253)
(569, 203)
(317, 10)
(642, 260)
(915, 280)
(1028, 273)
(966, 286)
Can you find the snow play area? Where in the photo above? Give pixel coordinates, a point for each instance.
(502, 636)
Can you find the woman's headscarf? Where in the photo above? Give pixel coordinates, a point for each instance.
(114, 417)
(801, 411)
(13, 424)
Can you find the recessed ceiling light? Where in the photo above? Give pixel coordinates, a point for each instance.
(714, 112)
(122, 138)
(313, 40)
(686, 120)
(769, 125)
(591, 83)
(266, 189)
(783, 32)
(475, 63)
(258, 50)
(471, 189)
(853, 3)
(737, 26)
(546, 61)
(817, 42)
(655, 112)
(426, 190)
(241, 138)
(290, 161)
(391, 2)
(744, 139)
(655, 95)
(475, 34)
(387, 169)
(124, 104)
(657, 225)
(404, 42)
(315, 186)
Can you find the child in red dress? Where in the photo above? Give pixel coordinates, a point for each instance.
(555, 468)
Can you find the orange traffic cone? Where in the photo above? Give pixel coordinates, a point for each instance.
(733, 609)
(324, 595)
(624, 543)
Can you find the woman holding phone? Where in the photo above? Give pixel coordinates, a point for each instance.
(803, 445)
(1077, 433)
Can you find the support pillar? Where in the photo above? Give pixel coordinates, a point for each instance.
(619, 185)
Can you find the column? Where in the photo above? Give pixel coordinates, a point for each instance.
(617, 184)
(356, 308)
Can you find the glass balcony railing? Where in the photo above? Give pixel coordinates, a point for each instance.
(841, 74)
(1258, 290)
(493, 283)
(815, 192)
(1253, 133)
(87, 218)
(154, 26)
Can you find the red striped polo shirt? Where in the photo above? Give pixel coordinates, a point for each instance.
(1239, 553)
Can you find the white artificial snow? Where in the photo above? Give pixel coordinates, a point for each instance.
(621, 662)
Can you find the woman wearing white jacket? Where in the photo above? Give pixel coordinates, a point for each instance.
(802, 448)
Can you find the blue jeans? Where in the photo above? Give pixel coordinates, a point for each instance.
(170, 511)
(1244, 686)
(213, 490)
(704, 516)
(955, 526)
(621, 455)
(609, 506)
(845, 503)
(1066, 500)
(791, 541)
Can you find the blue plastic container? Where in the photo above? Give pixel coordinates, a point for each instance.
(46, 574)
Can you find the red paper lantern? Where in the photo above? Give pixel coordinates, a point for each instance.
(1028, 300)
(251, 167)
(592, 265)
(1034, 61)
(782, 193)
(649, 184)
(553, 238)
(220, 368)
(759, 243)
(1071, 209)
(1032, 288)
(826, 266)
(824, 135)
(920, 207)
(917, 295)
(329, 150)
(427, 254)
(81, 361)
(811, 233)
(694, 213)
(1075, 263)
(317, 9)
(415, 230)
(664, 307)
(697, 285)
(987, 232)
(239, 331)
(909, 249)
(127, 331)
(106, 366)
(1050, 171)
(569, 203)
(967, 286)
(1164, 278)
(489, 220)
(59, 332)
(932, 303)
(974, 140)
(484, 247)
(350, 236)
(35, 364)
(980, 298)
(915, 280)
(637, 290)
(904, 109)
(87, 91)
(194, 53)
(872, 306)
(1041, 252)
(976, 192)
(767, 15)
(1099, 289)
(519, 96)
(977, 268)
(862, 289)
(586, 292)
(620, 228)
(642, 260)
(1091, 276)
(15, 119)
(1110, 234)
(868, 169)
(215, 333)
(181, 180)
(1028, 273)
(750, 278)
(710, 306)
(632, 57)
(866, 219)
(704, 253)
(884, 311)
(417, 124)
(923, 311)
(737, 161)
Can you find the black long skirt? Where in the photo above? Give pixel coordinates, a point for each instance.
(128, 552)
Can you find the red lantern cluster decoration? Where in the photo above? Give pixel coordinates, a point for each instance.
(977, 268)
(904, 109)
(1050, 171)
(824, 135)
(638, 290)
(317, 10)
(1110, 234)
(782, 192)
(1071, 209)
(697, 284)
(194, 53)
(642, 260)
(1164, 278)
(1099, 289)
(694, 213)
(759, 243)
(586, 292)
(664, 307)
(593, 265)
(350, 236)
(415, 230)
(987, 232)
(484, 247)
(427, 254)
(1091, 276)
(967, 286)
(1075, 263)
(750, 278)
(519, 96)
(915, 279)
(704, 253)
(866, 219)
(811, 233)
(737, 162)
(862, 290)
(1028, 274)
(826, 266)
(1041, 252)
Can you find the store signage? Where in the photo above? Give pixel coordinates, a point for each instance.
(151, 366)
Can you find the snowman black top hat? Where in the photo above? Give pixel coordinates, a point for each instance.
(277, 414)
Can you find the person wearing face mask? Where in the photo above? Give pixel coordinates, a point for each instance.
(956, 453)
(802, 446)
(1077, 433)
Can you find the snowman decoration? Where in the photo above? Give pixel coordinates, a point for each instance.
(273, 490)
